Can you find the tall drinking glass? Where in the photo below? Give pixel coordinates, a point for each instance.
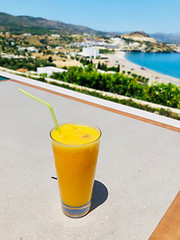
(75, 163)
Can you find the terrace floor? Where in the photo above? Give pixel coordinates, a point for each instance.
(137, 175)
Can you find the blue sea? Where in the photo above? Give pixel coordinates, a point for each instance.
(166, 63)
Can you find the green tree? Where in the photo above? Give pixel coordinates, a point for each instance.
(118, 68)
(99, 65)
(50, 59)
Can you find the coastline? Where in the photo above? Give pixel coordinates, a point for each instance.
(126, 65)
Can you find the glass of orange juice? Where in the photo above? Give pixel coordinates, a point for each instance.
(75, 149)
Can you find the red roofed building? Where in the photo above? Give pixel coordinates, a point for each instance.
(22, 70)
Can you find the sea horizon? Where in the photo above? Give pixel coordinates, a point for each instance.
(163, 63)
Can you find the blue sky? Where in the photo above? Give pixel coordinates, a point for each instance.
(115, 15)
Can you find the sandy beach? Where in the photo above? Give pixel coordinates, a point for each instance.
(125, 65)
(118, 58)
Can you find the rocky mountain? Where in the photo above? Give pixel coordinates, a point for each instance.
(139, 33)
(167, 38)
(139, 36)
(10, 23)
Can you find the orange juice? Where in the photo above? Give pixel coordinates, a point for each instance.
(75, 150)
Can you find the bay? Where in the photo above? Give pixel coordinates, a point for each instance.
(165, 63)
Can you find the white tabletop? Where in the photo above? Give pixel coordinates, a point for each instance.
(137, 175)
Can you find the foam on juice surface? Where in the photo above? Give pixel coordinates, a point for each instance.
(74, 134)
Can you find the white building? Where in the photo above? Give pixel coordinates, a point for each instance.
(49, 70)
(32, 49)
(134, 44)
(90, 52)
(55, 35)
(118, 40)
(27, 34)
(58, 47)
(29, 49)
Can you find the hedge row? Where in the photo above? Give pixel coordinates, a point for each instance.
(118, 83)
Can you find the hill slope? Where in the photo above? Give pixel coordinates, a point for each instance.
(139, 36)
(40, 25)
(167, 38)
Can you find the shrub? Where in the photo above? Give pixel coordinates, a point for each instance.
(119, 83)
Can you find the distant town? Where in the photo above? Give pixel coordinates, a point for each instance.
(65, 50)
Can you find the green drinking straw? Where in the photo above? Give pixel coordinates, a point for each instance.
(46, 103)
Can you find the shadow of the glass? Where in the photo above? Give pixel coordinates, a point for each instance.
(99, 196)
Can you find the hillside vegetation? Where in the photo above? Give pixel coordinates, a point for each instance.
(34, 25)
